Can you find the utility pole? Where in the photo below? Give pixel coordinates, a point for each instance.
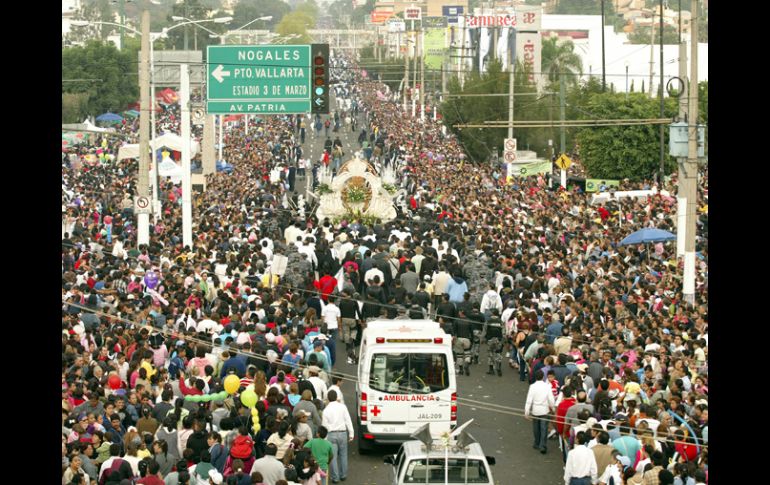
(691, 166)
(660, 88)
(604, 80)
(123, 22)
(414, 76)
(154, 160)
(143, 182)
(208, 156)
(511, 60)
(681, 221)
(443, 79)
(221, 135)
(406, 67)
(652, 50)
(422, 73)
(462, 62)
(186, 15)
(562, 134)
(184, 95)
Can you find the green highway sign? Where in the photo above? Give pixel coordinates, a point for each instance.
(261, 107)
(258, 79)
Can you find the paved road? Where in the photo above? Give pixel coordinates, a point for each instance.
(508, 438)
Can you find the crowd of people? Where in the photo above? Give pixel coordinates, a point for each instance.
(615, 356)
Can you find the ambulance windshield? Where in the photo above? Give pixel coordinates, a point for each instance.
(400, 373)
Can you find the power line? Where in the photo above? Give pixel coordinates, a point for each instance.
(483, 405)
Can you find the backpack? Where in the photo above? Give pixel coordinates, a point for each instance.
(175, 365)
(242, 448)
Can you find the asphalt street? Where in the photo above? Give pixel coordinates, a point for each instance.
(506, 437)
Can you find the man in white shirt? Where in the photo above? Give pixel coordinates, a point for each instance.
(318, 384)
(540, 403)
(417, 259)
(369, 275)
(336, 387)
(308, 249)
(491, 301)
(440, 283)
(336, 419)
(332, 317)
(581, 463)
(266, 250)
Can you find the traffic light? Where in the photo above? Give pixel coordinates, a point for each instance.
(319, 79)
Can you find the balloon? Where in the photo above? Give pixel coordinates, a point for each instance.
(249, 398)
(108, 220)
(232, 383)
(114, 382)
(151, 279)
(222, 396)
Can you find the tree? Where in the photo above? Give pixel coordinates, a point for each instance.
(361, 12)
(483, 143)
(74, 107)
(296, 23)
(98, 11)
(245, 12)
(391, 71)
(641, 34)
(623, 151)
(592, 7)
(559, 59)
(116, 72)
(703, 102)
(197, 36)
(310, 8)
(339, 10)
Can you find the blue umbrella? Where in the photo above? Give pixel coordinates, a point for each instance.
(109, 117)
(647, 235)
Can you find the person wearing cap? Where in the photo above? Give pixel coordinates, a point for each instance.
(306, 404)
(318, 383)
(320, 355)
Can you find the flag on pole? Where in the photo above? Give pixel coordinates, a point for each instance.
(340, 277)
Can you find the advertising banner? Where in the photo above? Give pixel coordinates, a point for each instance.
(601, 185)
(435, 50)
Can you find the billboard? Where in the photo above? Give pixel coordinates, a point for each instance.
(435, 48)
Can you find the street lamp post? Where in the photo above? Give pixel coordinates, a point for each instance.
(222, 37)
(153, 37)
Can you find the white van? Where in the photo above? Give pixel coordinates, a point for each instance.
(406, 378)
(414, 463)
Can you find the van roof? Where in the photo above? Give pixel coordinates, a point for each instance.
(400, 327)
(416, 448)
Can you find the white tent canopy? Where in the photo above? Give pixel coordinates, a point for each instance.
(166, 140)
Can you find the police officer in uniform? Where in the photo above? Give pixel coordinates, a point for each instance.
(476, 320)
(461, 345)
(494, 337)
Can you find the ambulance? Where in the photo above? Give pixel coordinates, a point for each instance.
(406, 378)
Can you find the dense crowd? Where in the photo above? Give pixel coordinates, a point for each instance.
(151, 334)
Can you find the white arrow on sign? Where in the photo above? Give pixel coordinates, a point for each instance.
(319, 101)
(220, 74)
